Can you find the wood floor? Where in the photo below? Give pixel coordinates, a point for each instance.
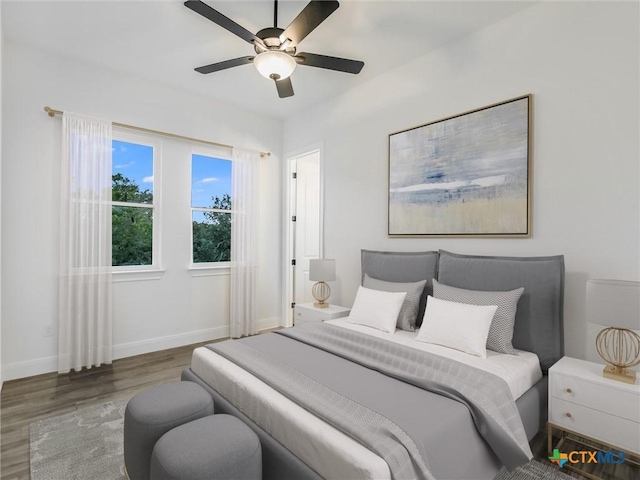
(35, 398)
(604, 471)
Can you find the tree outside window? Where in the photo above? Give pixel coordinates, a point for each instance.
(210, 209)
(132, 208)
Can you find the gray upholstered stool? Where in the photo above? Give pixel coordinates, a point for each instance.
(218, 447)
(152, 413)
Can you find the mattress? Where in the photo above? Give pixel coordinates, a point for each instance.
(331, 453)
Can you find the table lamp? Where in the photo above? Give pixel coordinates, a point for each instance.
(321, 271)
(616, 305)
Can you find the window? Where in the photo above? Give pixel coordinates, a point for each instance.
(134, 202)
(210, 209)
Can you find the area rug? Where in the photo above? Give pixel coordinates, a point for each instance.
(87, 445)
(81, 445)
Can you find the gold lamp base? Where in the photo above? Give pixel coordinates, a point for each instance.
(321, 292)
(620, 348)
(620, 374)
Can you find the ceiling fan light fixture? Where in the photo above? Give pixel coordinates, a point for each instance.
(275, 64)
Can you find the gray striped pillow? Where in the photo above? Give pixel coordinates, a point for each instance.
(501, 331)
(409, 311)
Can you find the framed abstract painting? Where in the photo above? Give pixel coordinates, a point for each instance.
(464, 176)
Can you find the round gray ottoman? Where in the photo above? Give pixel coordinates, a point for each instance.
(218, 447)
(152, 413)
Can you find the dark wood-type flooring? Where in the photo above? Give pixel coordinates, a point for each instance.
(31, 399)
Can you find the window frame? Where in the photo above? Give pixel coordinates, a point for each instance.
(154, 270)
(206, 268)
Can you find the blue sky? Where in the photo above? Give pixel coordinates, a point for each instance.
(209, 176)
(134, 162)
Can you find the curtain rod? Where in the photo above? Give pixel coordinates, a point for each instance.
(52, 113)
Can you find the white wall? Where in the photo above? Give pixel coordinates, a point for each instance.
(149, 315)
(1, 376)
(580, 60)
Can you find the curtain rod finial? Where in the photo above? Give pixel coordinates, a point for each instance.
(50, 112)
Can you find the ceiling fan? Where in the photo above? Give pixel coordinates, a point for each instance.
(276, 56)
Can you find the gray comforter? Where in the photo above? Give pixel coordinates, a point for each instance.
(396, 419)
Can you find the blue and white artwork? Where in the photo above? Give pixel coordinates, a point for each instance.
(466, 175)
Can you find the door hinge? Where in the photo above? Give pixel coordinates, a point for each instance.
(293, 218)
(294, 175)
(293, 262)
(293, 304)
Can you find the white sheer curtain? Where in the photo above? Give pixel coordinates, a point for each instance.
(84, 321)
(244, 240)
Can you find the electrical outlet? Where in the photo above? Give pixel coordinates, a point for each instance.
(47, 330)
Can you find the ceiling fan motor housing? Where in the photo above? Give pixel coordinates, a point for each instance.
(271, 38)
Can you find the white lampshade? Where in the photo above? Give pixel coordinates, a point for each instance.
(274, 64)
(614, 303)
(322, 270)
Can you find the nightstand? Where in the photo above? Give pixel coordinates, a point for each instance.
(306, 312)
(585, 404)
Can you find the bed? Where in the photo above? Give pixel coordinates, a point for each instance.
(453, 437)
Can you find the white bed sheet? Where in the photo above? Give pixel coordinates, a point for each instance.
(521, 371)
(329, 452)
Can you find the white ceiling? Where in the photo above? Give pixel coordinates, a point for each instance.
(164, 41)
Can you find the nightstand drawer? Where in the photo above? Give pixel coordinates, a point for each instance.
(309, 315)
(597, 396)
(597, 424)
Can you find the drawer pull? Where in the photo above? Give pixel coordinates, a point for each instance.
(568, 415)
(569, 390)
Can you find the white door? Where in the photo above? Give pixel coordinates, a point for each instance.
(306, 228)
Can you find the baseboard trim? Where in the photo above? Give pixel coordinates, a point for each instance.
(170, 341)
(268, 323)
(29, 368)
(38, 366)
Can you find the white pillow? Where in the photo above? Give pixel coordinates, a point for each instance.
(457, 325)
(377, 309)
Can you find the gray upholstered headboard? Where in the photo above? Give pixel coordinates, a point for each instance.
(402, 267)
(539, 326)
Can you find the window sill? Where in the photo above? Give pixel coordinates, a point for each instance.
(136, 275)
(210, 270)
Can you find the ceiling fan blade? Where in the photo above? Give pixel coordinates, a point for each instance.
(331, 63)
(225, 22)
(285, 89)
(307, 20)
(215, 67)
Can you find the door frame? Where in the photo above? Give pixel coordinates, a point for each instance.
(286, 319)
